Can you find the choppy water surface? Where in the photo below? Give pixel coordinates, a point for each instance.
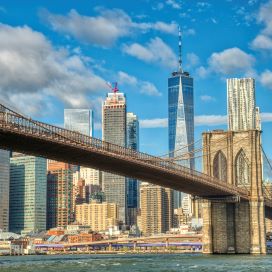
(131, 263)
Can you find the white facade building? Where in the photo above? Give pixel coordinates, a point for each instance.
(241, 104)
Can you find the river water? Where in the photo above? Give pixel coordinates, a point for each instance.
(133, 263)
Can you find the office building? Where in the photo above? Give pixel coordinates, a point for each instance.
(132, 184)
(241, 104)
(59, 194)
(99, 216)
(27, 194)
(91, 176)
(181, 119)
(80, 120)
(4, 189)
(156, 205)
(114, 131)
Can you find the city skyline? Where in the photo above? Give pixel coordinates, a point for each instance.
(140, 31)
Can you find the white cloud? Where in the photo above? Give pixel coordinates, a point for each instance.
(158, 6)
(203, 4)
(174, 4)
(266, 79)
(155, 51)
(104, 29)
(145, 87)
(263, 40)
(200, 120)
(210, 120)
(266, 117)
(207, 98)
(229, 62)
(34, 73)
(154, 123)
(192, 60)
(149, 89)
(202, 72)
(189, 32)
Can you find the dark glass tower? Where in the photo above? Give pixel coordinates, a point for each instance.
(180, 118)
(132, 184)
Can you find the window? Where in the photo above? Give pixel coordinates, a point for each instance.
(220, 166)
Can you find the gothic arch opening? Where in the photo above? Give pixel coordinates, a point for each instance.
(220, 166)
(242, 168)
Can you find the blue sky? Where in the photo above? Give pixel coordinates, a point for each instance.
(57, 54)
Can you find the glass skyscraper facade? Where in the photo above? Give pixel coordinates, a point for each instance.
(114, 131)
(27, 194)
(132, 184)
(4, 189)
(80, 120)
(181, 121)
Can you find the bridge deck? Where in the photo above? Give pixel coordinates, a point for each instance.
(31, 137)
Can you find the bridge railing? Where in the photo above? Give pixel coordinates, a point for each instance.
(32, 127)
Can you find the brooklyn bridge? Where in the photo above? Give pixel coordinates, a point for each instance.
(236, 203)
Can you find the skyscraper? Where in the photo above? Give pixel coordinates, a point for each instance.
(27, 194)
(180, 118)
(156, 209)
(59, 194)
(241, 104)
(132, 184)
(4, 189)
(80, 120)
(114, 131)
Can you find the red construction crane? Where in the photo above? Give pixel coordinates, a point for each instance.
(113, 86)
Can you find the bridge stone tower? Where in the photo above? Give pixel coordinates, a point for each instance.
(234, 227)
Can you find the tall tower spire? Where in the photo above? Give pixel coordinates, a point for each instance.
(179, 61)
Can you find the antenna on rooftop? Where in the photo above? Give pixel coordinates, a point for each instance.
(179, 61)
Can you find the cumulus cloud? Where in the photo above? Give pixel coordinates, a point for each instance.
(145, 87)
(155, 51)
(263, 41)
(228, 62)
(34, 73)
(104, 29)
(266, 79)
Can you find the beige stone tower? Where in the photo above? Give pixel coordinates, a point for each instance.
(235, 158)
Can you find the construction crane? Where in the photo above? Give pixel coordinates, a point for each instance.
(113, 86)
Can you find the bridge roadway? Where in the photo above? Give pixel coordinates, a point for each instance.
(25, 135)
